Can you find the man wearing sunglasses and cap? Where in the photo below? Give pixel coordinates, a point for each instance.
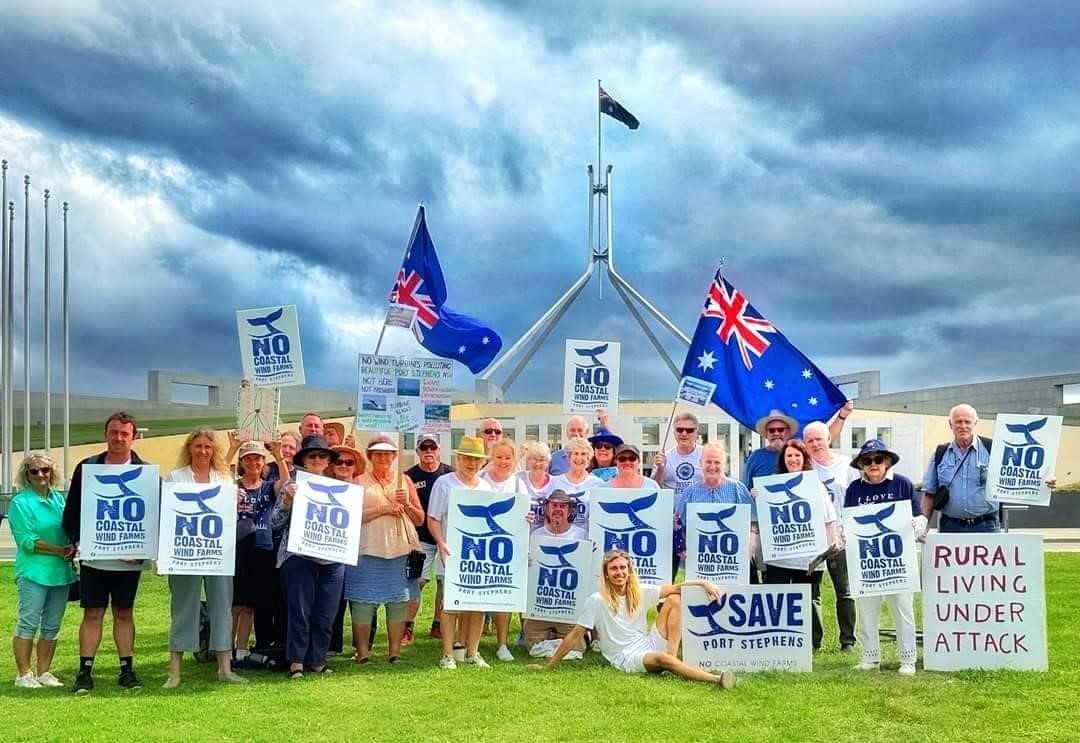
(424, 473)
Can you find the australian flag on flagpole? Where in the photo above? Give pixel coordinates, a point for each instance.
(441, 330)
(754, 368)
(615, 110)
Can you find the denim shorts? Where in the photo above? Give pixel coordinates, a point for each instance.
(40, 608)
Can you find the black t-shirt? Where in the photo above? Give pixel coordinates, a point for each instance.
(423, 481)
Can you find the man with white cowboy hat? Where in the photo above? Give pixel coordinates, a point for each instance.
(774, 429)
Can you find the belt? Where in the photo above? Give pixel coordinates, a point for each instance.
(977, 520)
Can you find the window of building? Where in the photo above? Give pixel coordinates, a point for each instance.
(455, 437)
(1070, 394)
(858, 436)
(650, 434)
(703, 432)
(554, 436)
(884, 434)
(532, 432)
(410, 441)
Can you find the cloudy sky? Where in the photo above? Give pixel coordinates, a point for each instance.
(893, 184)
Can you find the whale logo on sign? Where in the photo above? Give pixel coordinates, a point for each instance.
(121, 481)
(559, 552)
(267, 322)
(630, 510)
(329, 491)
(488, 513)
(785, 488)
(877, 520)
(761, 614)
(1026, 429)
(591, 354)
(718, 519)
(199, 499)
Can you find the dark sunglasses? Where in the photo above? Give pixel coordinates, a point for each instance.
(318, 455)
(427, 447)
(490, 431)
(877, 459)
(627, 458)
(346, 462)
(685, 430)
(39, 470)
(782, 429)
(603, 446)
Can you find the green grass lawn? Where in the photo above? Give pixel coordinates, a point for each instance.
(579, 701)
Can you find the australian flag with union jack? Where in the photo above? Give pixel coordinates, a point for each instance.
(754, 367)
(441, 330)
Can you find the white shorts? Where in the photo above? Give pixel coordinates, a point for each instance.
(632, 659)
(430, 551)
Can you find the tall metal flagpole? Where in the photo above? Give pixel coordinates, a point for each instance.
(67, 358)
(412, 236)
(595, 190)
(5, 436)
(26, 314)
(48, 371)
(9, 339)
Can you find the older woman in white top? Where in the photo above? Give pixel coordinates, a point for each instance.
(578, 481)
(500, 475)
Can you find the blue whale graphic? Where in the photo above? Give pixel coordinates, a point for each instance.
(267, 322)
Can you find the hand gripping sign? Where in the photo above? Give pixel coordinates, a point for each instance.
(1023, 457)
(881, 556)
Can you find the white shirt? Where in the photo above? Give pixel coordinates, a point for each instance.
(574, 532)
(510, 485)
(439, 505)
(619, 632)
(681, 470)
(578, 491)
(836, 477)
(536, 497)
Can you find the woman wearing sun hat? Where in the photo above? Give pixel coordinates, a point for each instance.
(392, 511)
(879, 484)
(312, 585)
(468, 460)
(604, 443)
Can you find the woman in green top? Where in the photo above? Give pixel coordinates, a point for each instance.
(43, 569)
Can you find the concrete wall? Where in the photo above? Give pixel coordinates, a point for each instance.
(1036, 395)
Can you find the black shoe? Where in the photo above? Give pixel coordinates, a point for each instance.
(84, 683)
(128, 680)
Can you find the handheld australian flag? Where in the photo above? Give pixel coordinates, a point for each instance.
(441, 330)
(614, 109)
(754, 368)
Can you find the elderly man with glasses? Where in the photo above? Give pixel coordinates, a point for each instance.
(677, 469)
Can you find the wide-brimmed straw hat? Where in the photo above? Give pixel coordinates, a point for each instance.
(776, 415)
(361, 463)
(471, 446)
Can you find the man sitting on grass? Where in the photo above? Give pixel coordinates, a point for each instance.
(617, 612)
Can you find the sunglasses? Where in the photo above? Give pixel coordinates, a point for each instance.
(877, 459)
(627, 458)
(346, 462)
(318, 455)
(603, 446)
(427, 447)
(39, 470)
(685, 430)
(490, 431)
(781, 429)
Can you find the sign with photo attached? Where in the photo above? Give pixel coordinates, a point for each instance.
(881, 554)
(488, 537)
(119, 511)
(403, 394)
(197, 534)
(1023, 456)
(591, 376)
(270, 346)
(791, 516)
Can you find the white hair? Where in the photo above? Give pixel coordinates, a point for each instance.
(964, 408)
(717, 447)
(573, 418)
(816, 426)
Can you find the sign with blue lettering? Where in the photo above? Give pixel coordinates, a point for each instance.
(637, 521)
(119, 511)
(591, 376)
(270, 346)
(488, 536)
(403, 394)
(881, 555)
(791, 515)
(749, 628)
(718, 543)
(560, 577)
(325, 519)
(197, 534)
(1023, 456)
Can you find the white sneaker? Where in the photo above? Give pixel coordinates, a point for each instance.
(907, 669)
(503, 653)
(448, 663)
(27, 681)
(47, 679)
(476, 660)
(867, 666)
(459, 653)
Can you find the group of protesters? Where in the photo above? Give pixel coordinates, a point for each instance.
(295, 604)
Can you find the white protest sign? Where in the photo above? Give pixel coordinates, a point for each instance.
(984, 602)
(638, 521)
(270, 346)
(198, 529)
(791, 516)
(119, 511)
(258, 413)
(881, 554)
(402, 394)
(1023, 456)
(750, 628)
(718, 543)
(560, 577)
(400, 316)
(591, 376)
(488, 536)
(694, 391)
(326, 516)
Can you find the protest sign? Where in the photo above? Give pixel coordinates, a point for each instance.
(750, 628)
(270, 346)
(560, 577)
(718, 543)
(638, 521)
(791, 516)
(694, 391)
(881, 554)
(984, 602)
(400, 316)
(488, 537)
(197, 534)
(258, 413)
(325, 522)
(119, 511)
(1023, 456)
(402, 394)
(591, 376)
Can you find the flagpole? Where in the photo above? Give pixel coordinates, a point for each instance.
(667, 429)
(66, 326)
(9, 342)
(26, 314)
(594, 193)
(5, 434)
(412, 236)
(48, 381)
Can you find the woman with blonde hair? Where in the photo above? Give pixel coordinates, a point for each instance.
(578, 481)
(618, 611)
(500, 475)
(202, 461)
(43, 570)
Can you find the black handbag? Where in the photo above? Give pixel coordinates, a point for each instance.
(414, 564)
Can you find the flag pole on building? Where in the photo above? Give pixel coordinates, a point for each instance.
(66, 322)
(48, 323)
(5, 409)
(26, 314)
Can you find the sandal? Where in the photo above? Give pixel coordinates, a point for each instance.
(393, 659)
(361, 661)
(296, 673)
